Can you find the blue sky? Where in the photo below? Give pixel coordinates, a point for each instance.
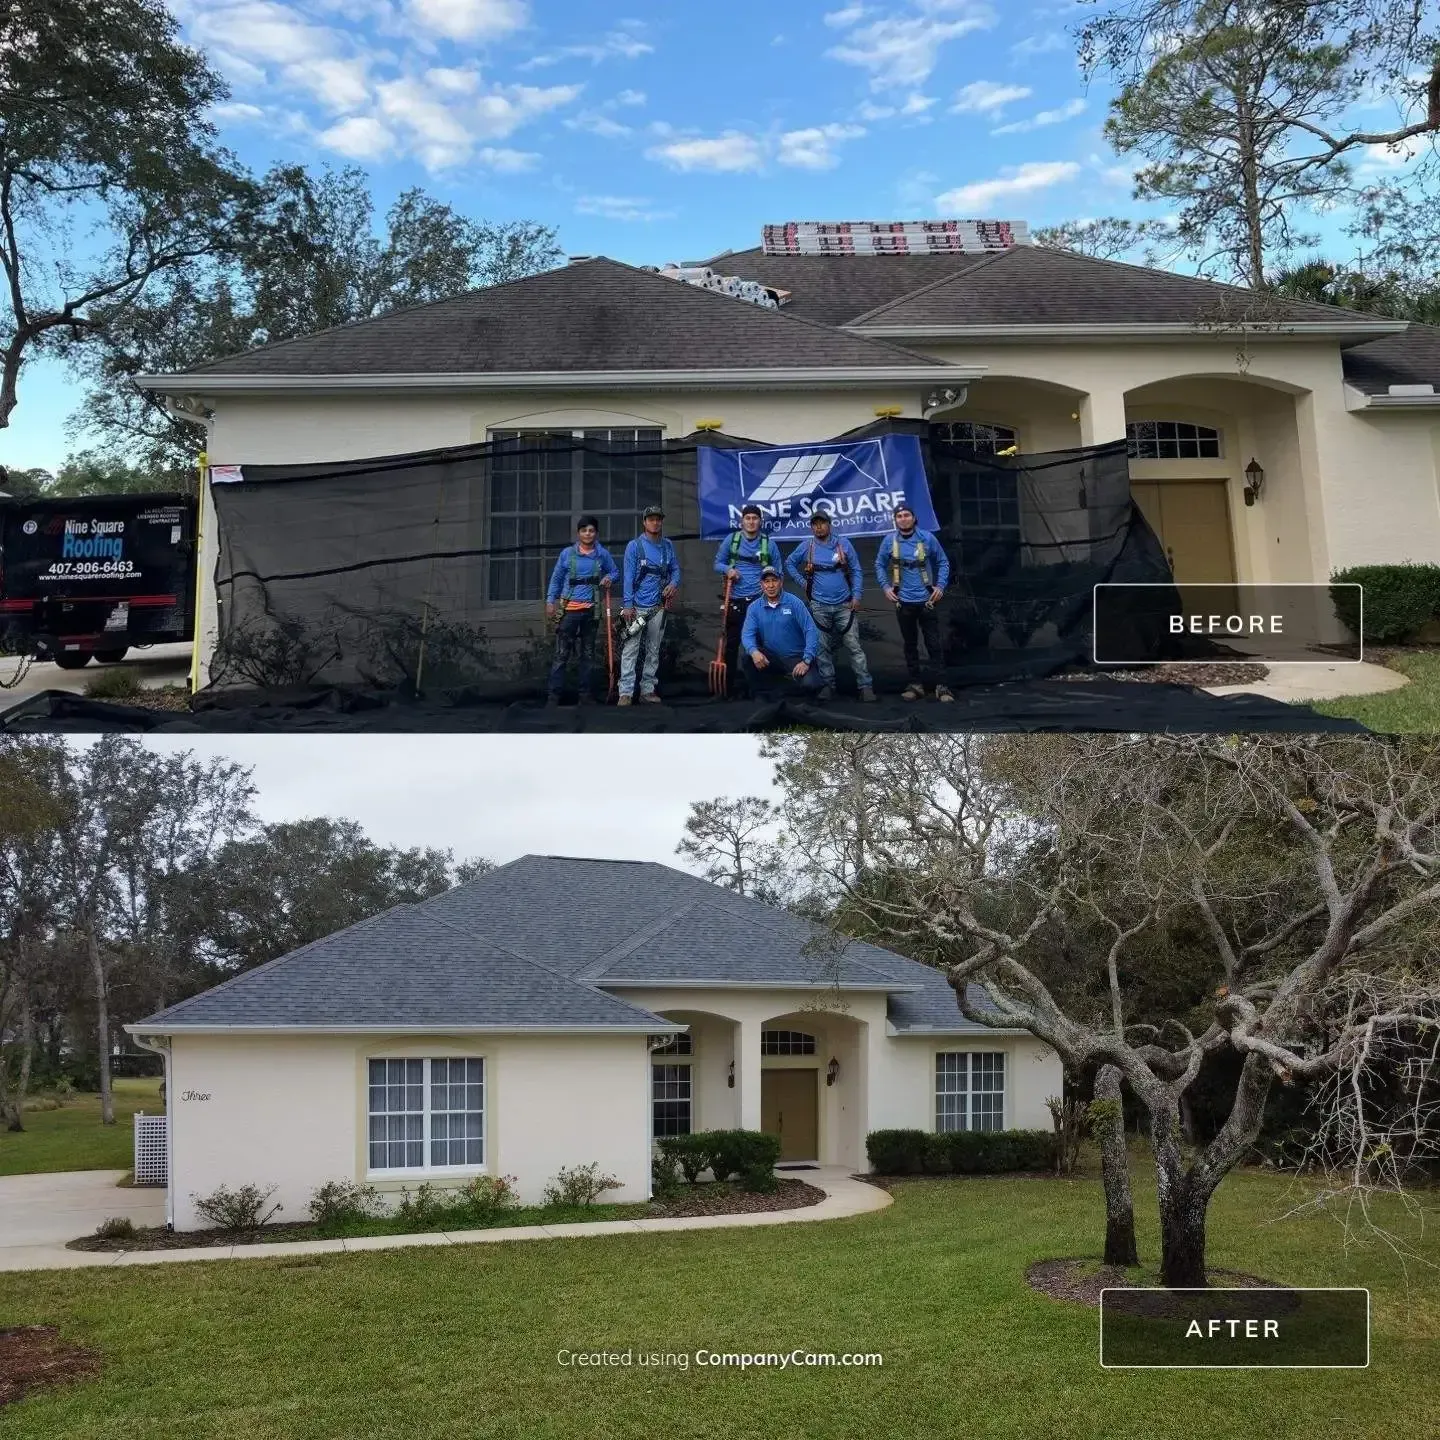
(652, 132)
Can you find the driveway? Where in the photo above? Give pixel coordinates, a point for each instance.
(39, 1212)
(157, 666)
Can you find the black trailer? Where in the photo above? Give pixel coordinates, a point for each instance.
(95, 576)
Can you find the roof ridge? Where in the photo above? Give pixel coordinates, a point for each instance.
(595, 970)
(930, 285)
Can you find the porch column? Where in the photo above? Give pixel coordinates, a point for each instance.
(1102, 417)
(747, 1072)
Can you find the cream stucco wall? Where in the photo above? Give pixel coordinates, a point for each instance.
(290, 1111)
(907, 1086)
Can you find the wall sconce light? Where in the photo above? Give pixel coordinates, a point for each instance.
(832, 1071)
(730, 1078)
(1254, 481)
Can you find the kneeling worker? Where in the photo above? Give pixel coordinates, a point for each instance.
(914, 572)
(830, 572)
(582, 574)
(779, 638)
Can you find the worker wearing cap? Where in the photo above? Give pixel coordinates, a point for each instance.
(780, 639)
(829, 570)
(651, 582)
(742, 555)
(914, 571)
(582, 574)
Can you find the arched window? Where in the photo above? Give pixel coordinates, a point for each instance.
(1171, 440)
(786, 1042)
(981, 439)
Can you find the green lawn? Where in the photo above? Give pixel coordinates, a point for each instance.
(72, 1138)
(1412, 710)
(459, 1341)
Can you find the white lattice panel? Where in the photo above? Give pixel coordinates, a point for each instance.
(150, 1136)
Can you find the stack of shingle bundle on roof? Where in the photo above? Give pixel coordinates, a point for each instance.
(732, 285)
(893, 237)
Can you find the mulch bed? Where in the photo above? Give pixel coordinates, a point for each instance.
(1074, 1280)
(1220, 672)
(158, 1239)
(175, 698)
(34, 1357)
(730, 1200)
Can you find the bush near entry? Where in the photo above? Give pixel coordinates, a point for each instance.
(749, 1154)
(1398, 600)
(959, 1152)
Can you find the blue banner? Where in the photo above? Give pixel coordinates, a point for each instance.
(857, 482)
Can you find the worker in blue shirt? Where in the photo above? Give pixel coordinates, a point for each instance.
(914, 571)
(780, 639)
(741, 556)
(582, 574)
(652, 580)
(829, 570)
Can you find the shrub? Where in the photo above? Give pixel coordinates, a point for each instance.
(897, 1152)
(1399, 599)
(117, 1227)
(690, 1154)
(959, 1152)
(936, 1156)
(579, 1185)
(750, 1154)
(113, 684)
(341, 1202)
(239, 1209)
(664, 1176)
(485, 1196)
(424, 1208)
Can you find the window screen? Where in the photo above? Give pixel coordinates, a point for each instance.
(426, 1114)
(670, 1089)
(969, 1091)
(397, 1114)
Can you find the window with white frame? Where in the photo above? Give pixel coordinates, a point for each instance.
(969, 1090)
(1171, 440)
(541, 481)
(670, 1091)
(672, 1044)
(983, 504)
(786, 1042)
(427, 1114)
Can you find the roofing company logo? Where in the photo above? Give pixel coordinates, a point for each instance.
(840, 480)
(30, 527)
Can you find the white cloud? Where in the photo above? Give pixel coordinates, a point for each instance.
(984, 96)
(595, 123)
(360, 137)
(630, 97)
(507, 162)
(236, 111)
(868, 111)
(622, 44)
(337, 84)
(730, 153)
(901, 51)
(814, 148)
(470, 19)
(445, 134)
(1058, 116)
(1040, 44)
(917, 104)
(843, 19)
(258, 30)
(620, 207)
(1025, 179)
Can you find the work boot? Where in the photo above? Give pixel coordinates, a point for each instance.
(625, 700)
(913, 692)
(651, 699)
(867, 693)
(942, 694)
(825, 692)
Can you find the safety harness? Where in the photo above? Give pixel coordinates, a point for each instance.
(575, 578)
(839, 563)
(763, 556)
(920, 561)
(647, 567)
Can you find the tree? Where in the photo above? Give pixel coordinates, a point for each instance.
(307, 258)
(732, 841)
(1311, 864)
(1108, 238)
(109, 173)
(25, 484)
(1391, 292)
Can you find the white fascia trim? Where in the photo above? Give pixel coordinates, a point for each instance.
(975, 1029)
(602, 982)
(817, 376)
(656, 1027)
(1401, 402)
(1298, 330)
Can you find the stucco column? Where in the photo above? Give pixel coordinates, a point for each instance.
(747, 1072)
(1102, 416)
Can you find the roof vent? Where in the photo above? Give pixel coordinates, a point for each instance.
(576, 259)
(1412, 389)
(894, 237)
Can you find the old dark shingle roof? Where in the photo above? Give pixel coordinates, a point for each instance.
(1409, 359)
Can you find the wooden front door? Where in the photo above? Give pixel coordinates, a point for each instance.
(1192, 520)
(790, 1108)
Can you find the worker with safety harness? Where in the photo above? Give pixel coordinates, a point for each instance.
(780, 639)
(914, 571)
(830, 572)
(742, 555)
(652, 579)
(576, 591)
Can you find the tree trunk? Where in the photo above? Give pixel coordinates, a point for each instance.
(1183, 1202)
(1115, 1169)
(102, 1025)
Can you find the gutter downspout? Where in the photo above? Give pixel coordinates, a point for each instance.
(161, 1047)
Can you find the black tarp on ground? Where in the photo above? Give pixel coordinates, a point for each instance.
(427, 571)
(1032, 706)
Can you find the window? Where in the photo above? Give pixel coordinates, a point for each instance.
(672, 1044)
(984, 504)
(969, 1091)
(427, 1114)
(670, 1092)
(786, 1042)
(541, 481)
(1171, 440)
(978, 439)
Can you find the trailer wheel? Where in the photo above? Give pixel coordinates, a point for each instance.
(112, 657)
(72, 659)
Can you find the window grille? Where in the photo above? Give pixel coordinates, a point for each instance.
(969, 1091)
(671, 1093)
(426, 1114)
(786, 1042)
(1171, 440)
(672, 1045)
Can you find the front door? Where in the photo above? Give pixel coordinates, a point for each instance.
(1191, 518)
(790, 1108)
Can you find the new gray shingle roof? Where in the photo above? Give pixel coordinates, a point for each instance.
(1409, 359)
(593, 315)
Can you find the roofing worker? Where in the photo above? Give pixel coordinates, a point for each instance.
(914, 571)
(652, 579)
(742, 555)
(830, 572)
(577, 585)
(780, 639)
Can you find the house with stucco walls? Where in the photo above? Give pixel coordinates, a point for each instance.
(557, 1012)
(1037, 348)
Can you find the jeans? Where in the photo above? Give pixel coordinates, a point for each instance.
(734, 624)
(649, 636)
(574, 639)
(776, 675)
(916, 620)
(839, 626)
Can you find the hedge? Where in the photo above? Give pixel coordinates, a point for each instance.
(1399, 599)
(750, 1154)
(959, 1152)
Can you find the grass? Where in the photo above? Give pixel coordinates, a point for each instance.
(1415, 709)
(72, 1137)
(465, 1341)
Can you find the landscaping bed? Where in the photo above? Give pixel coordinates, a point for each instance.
(1219, 672)
(730, 1199)
(1082, 1280)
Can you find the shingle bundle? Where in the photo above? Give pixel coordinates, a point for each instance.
(893, 237)
(732, 285)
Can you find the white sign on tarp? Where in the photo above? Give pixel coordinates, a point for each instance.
(226, 474)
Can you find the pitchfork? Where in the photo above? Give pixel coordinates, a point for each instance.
(719, 680)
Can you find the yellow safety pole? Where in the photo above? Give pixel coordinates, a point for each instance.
(203, 465)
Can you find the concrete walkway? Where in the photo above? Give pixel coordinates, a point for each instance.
(22, 1223)
(155, 667)
(1300, 684)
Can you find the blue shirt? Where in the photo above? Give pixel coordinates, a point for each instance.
(833, 561)
(913, 589)
(655, 557)
(747, 561)
(588, 571)
(783, 629)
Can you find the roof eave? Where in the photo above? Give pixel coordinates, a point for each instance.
(170, 1027)
(1286, 330)
(604, 982)
(1391, 402)
(974, 1028)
